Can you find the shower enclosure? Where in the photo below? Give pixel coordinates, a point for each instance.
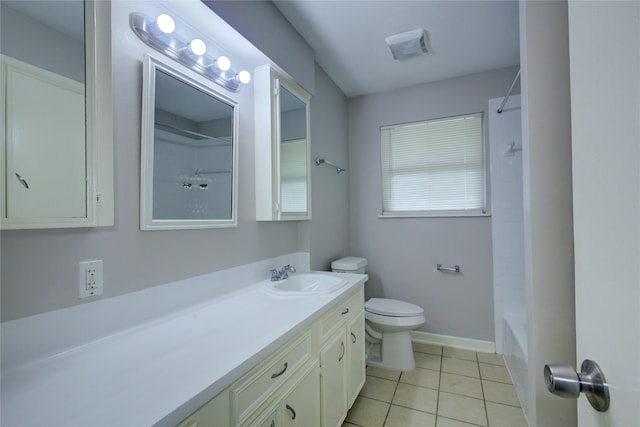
(505, 136)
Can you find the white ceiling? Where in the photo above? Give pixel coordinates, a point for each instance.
(348, 38)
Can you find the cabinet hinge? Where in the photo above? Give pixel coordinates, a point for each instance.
(275, 89)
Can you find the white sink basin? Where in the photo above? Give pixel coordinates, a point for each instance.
(305, 284)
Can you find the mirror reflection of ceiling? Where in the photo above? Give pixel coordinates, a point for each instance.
(348, 38)
(181, 99)
(67, 17)
(289, 102)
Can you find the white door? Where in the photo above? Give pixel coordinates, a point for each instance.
(604, 41)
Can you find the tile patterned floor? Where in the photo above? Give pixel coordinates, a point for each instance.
(448, 388)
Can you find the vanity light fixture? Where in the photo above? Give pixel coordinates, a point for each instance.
(164, 25)
(160, 34)
(197, 47)
(223, 63)
(244, 76)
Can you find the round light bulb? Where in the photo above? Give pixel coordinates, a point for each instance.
(223, 63)
(244, 76)
(165, 23)
(197, 47)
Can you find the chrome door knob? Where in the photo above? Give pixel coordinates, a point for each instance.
(564, 381)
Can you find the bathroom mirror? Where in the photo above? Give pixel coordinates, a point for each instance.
(282, 147)
(188, 174)
(56, 122)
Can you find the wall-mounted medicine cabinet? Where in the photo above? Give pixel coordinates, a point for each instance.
(189, 160)
(56, 123)
(282, 150)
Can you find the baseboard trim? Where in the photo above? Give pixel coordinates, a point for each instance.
(455, 342)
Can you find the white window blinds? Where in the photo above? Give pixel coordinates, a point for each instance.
(293, 176)
(435, 167)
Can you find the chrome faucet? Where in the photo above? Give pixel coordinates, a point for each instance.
(282, 274)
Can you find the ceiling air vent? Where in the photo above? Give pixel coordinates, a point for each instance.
(409, 44)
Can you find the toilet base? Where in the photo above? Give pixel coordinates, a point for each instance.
(395, 352)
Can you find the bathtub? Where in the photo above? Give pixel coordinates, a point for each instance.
(515, 355)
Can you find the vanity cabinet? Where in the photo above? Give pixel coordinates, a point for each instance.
(299, 407)
(333, 385)
(282, 151)
(310, 381)
(356, 353)
(342, 358)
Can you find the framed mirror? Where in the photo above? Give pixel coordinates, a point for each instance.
(189, 155)
(294, 157)
(282, 147)
(56, 122)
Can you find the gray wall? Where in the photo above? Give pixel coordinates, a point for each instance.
(326, 236)
(403, 253)
(39, 267)
(261, 23)
(329, 228)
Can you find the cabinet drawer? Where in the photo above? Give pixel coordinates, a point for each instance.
(340, 313)
(256, 388)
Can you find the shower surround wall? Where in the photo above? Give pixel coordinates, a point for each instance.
(507, 230)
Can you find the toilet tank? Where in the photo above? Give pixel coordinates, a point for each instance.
(350, 264)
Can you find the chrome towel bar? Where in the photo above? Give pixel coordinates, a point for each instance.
(320, 161)
(454, 269)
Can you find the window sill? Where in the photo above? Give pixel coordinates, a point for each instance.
(436, 215)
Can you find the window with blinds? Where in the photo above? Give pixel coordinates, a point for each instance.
(434, 168)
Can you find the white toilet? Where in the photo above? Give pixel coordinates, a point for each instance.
(388, 326)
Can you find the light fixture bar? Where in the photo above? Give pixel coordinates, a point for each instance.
(193, 53)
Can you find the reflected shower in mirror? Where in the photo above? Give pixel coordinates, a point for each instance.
(188, 153)
(293, 153)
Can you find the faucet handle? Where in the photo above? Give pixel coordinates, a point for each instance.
(274, 274)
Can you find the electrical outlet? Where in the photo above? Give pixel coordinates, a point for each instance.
(90, 278)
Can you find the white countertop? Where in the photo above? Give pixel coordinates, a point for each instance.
(159, 372)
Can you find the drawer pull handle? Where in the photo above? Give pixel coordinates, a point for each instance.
(345, 311)
(293, 413)
(276, 375)
(342, 351)
(273, 423)
(353, 338)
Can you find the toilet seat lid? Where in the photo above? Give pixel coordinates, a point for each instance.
(392, 307)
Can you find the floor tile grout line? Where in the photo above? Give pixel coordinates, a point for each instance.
(439, 385)
(391, 403)
(484, 398)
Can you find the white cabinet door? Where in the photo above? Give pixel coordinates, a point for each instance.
(357, 369)
(46, 175)
(605, 109)
(301, 405)
(333, 387)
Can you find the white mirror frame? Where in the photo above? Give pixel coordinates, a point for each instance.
(99, 131)
(150, 65)
(267, 84)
